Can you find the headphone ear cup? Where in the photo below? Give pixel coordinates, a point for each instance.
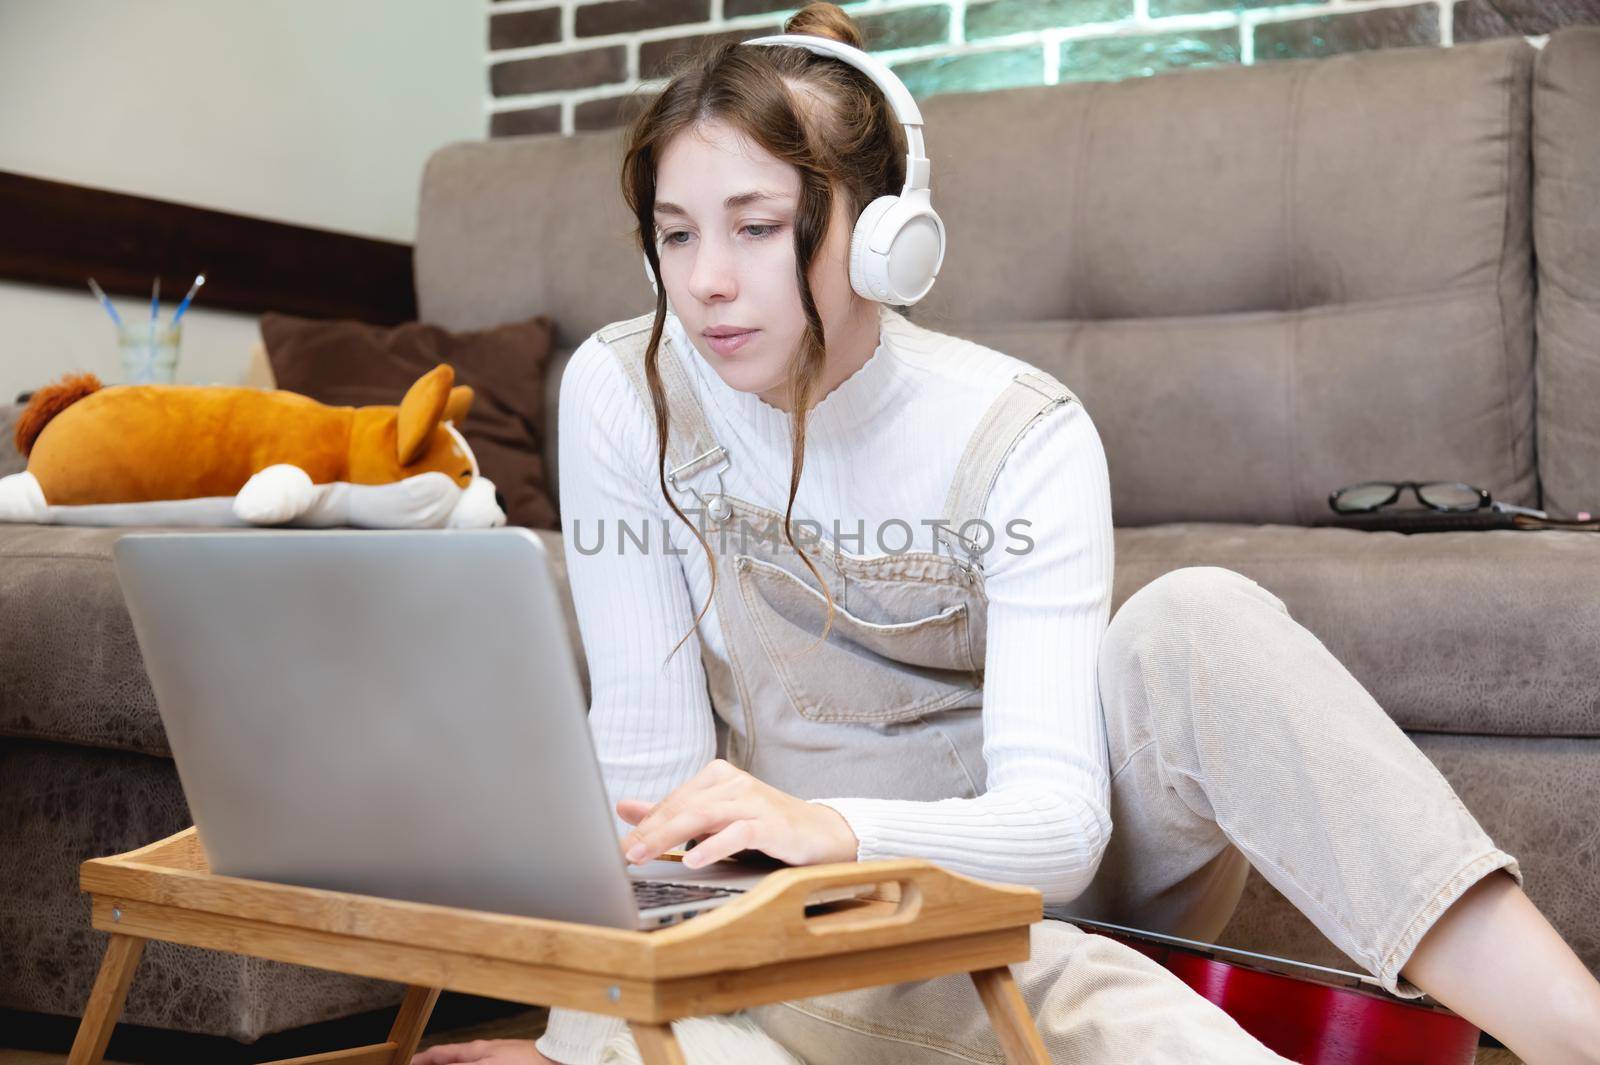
(916, 254)
(867, 269)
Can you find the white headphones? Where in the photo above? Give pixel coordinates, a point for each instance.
(899, 241)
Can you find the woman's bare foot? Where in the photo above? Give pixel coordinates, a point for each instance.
(483, 1052)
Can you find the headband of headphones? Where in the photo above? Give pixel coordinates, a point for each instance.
(894, 90)
(898, 243)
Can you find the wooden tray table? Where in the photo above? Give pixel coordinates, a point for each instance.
(918, 922)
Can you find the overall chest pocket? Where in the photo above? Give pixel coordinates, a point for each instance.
(867, 672)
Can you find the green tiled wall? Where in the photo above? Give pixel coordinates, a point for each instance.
(1113, 58)
(996, 18)
(1351, 32)
(906, 28)
(973, 71)
(1164, 8)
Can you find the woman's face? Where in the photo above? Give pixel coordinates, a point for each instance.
(727, 261)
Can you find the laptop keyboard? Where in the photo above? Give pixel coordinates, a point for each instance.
(651, 893)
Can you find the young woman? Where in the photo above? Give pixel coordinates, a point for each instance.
(878, 685)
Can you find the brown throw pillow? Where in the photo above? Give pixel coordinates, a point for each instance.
(352, 364)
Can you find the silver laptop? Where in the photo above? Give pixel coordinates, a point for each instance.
(394, 713)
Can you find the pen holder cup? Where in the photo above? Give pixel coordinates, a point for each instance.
(149, 356)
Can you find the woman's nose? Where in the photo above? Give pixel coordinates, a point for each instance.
(713, 273)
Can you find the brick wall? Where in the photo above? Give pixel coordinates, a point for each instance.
(561, 66)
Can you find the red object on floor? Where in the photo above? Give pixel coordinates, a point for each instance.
(1308, 1019)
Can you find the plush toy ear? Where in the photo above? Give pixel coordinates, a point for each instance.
(420, 410)
(455, 409)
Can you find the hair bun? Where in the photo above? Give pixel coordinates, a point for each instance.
(826, 20)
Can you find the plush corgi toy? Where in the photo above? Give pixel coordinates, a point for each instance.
(219, 455)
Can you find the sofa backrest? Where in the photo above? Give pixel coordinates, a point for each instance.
(519, 226)
(1264, 282)
(1566, 227)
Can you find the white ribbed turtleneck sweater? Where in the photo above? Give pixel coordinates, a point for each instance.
(882, 445)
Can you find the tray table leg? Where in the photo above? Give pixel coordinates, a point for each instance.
(1008, 1013)
(410, 1022)
(657, 1044)
(404, 1036)
(105, 1001)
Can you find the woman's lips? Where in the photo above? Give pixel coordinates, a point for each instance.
(727, 345)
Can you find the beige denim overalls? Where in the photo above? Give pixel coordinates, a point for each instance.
(890, 705)
(1230, 729)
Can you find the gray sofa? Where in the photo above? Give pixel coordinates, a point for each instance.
(1263, 282)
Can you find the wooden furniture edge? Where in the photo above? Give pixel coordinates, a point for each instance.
(59, 232)
(914, 926)
(766, 926)
(626, 995)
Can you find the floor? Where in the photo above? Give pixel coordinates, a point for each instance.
(530, 1024)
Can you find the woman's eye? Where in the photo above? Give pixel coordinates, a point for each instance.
(766, 230)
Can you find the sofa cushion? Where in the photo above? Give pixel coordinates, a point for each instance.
(1259, 416)
(1566, 225)
(518, 226)
(1466, 632)
(489, 214)
(1222, 189)
(1474, 632)
(66, 804)
(70, 667)
(1376, 217)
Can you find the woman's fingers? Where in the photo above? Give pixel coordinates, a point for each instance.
(738, 836)
(649, 839)
(718, 780)
(721, 796)
(654, 817)
(675, 800)
(634, 810)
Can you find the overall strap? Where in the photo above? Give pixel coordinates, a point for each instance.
(1030, 394)
(691, 447)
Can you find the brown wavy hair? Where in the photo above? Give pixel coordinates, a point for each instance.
(823, 117)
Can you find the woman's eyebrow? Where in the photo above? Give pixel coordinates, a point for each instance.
(740, 200)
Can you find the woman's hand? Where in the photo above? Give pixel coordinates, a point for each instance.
(483, 1052)
(729, 810)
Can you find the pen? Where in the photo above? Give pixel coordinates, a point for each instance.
(199, 280)
(100, 295)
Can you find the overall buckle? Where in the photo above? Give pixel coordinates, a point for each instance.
(717, 506)
(953, 539)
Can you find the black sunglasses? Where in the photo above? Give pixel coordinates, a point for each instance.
(1437, 495)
